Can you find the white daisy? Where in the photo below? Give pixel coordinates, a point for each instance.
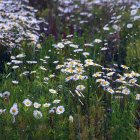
(80, 87)
(27, 102)
(14, 109)
(52, 91)
(46, 105)
(37, 105)
(60, 110)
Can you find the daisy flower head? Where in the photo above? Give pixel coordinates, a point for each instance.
(60, 110)
(105, 83)
(60, 45)
(14, 109)
(129, 26)
(89, 62)
(27, 102)
(52, 91)
(134, 12)
(56, 101)
(37, 105)
(97, 74)
(97, 40)
(46, 105)
(132, 81)
(110, 90)
(80, 87)
(15, 82)
(126, 91)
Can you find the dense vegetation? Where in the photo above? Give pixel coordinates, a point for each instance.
(78, 79)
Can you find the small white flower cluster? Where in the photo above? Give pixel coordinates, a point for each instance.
(36, 113)
(18, 22)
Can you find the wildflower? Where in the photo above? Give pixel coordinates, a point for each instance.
(104, 49)
(79, 70)
(27, 102)
(89, 62)
(38, 46)
(6, 94)
(15, 67)
(116, 27)
(31, 62)
(80, 87)
(36, 105)
(20, 56)
(43, 68)
(37, 114)
(47, 57)
(55, 62)
(75, 77)
(105, 28)
(97, 41)
(132, 81)
(126, 91)
(13, 57)
(51, 75)
(56, 101)
(68, 78)
(74, 46)
(105, 83)
(52, 91)
(86, 54)
(59, 66)
(128, 75)
(110, 73)
(46, 105)
(60, 45)
(52, 110)
(100, 80)
(137, 96)
(134, 74)
(134, 12)
(110, 90)
(14, 109)
(16, 62)
(78, 50)
(121, 79)
(129, 26)
(71, 118)
(88, 45)
(46, 79)
(136, 18)
(97, 74)
(60, 110)
(70, 70)
(15, 82)
(124, 67)
(2, 111)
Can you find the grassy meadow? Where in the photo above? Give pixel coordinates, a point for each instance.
(79, 82)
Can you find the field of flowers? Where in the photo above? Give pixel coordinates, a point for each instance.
(69, 70)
